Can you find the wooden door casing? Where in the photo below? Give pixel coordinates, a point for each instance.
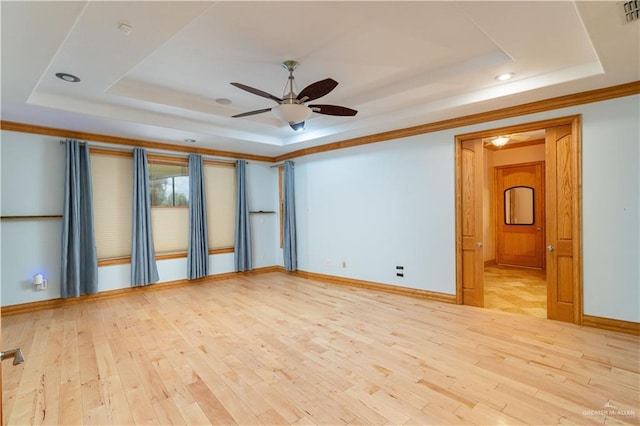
(563, 214)
(520, 244)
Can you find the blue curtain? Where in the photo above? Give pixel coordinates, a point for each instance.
(243, 228)
(198, 251)
(79, 257)
(143, 257)
(289, 220)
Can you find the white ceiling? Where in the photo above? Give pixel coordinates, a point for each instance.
(398, 63)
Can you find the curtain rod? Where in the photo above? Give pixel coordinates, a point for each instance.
(63, 141)
(279, 164)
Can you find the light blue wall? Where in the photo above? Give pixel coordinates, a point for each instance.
(32, 184)
(611, 208)
(392, 203)
(378, 207)
(263, 195)
(373, 206)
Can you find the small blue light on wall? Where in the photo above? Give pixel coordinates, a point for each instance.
(40, 282)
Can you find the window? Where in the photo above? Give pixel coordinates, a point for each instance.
(169, 188)
(169, 184)
(220, 187)
(112, 184)
(112, 180)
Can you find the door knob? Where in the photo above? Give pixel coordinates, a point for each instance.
(16, 354)
(550, 248)
(479, 244)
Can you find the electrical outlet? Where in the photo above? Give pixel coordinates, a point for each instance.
(343, 263)
(399, 271)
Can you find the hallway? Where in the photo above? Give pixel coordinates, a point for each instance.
(516, 290)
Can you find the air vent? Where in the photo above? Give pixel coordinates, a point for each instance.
(631, 10)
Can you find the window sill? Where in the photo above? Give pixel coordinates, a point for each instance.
(163, 256)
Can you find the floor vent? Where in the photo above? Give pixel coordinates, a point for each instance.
(631, 10)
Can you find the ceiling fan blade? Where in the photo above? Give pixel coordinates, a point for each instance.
(297, 126)
(246, 114)
(257, 92)
(317, 90)
(333, 110)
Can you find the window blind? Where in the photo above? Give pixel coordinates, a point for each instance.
(112, 181)
(170, 227)
(220, 187)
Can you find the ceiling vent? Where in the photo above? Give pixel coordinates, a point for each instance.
(631, 10)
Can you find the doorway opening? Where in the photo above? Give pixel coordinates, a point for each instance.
(516, 290)
(552, 225)
(513, 224)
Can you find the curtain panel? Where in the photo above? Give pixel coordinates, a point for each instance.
(144, 270)
(198, 251)
(79, 269)
(289, 221)
(243, 229)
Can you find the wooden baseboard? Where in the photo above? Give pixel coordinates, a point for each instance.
(413, 292)
(490, 262)
(56, 303)
(621, 326)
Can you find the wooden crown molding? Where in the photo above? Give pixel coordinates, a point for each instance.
(597, 95)
(116, 140)
(581, 98)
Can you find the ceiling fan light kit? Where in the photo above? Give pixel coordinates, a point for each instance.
(291, 108)
(291, 113)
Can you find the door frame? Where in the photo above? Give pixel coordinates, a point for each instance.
(575, 122)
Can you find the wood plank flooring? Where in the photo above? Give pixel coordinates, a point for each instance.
(277, 349)
(517, 290)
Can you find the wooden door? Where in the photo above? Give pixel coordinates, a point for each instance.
(470, 222)
(564, 295)
(520, 215)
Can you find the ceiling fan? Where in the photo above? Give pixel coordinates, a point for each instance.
(292, 108)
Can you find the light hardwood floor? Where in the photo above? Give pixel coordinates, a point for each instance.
(277, 349)
(516, 290)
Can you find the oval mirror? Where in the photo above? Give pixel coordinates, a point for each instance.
(518, 206)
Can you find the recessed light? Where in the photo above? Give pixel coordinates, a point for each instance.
(125, 29)
(505, 76)
(189, 140)
(70, 78)
(223, 101)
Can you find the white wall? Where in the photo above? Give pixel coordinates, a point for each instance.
(392, 203)
(33, 184)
